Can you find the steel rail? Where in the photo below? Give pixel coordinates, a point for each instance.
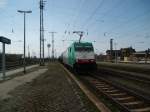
(126, 100)
(127, 75)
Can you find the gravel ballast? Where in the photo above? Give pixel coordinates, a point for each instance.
(49, 92)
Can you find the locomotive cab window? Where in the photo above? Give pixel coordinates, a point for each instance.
(84, 48)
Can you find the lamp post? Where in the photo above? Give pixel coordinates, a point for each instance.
(24, 61)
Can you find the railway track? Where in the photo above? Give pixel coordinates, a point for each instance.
(143, 78)
(126, 100)
(17, 64)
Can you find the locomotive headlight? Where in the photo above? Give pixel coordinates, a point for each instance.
(92, 60)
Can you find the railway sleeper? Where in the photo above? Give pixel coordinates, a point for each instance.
(96, 81)
(131, 103)
(135, 104)
(112, 91)
(144, 109)
(106, 88)
(126, 99)
(120, 94)
(100, 83)
(102, 86)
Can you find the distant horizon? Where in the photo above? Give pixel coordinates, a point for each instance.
(86, 41)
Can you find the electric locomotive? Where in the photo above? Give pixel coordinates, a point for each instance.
(80, 56)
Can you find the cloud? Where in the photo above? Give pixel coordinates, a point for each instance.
(3, 3)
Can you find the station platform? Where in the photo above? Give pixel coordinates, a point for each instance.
(137, 68)
(46, 89)
(15, 71)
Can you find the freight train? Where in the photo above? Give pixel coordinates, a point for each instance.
(79, 56)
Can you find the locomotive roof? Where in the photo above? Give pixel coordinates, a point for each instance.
(79, 43)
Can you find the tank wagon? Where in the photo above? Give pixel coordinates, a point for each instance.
(79, 56)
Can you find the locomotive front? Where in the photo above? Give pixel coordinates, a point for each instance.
(85, 58)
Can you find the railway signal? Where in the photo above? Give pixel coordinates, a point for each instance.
(4, 41)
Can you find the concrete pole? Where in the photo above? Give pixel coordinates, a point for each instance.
(48, 53)
(24, 60)
(111, 50)
(3, 61)
(40, 31)
(52, 45)
(115, 53)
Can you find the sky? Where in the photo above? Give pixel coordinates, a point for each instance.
(126, 21)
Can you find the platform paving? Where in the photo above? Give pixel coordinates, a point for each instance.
(49, 92)
(14, 71)
(9, 85)
(138, 68)
(147, 66)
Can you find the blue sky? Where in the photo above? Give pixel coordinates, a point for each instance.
(126, 21)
